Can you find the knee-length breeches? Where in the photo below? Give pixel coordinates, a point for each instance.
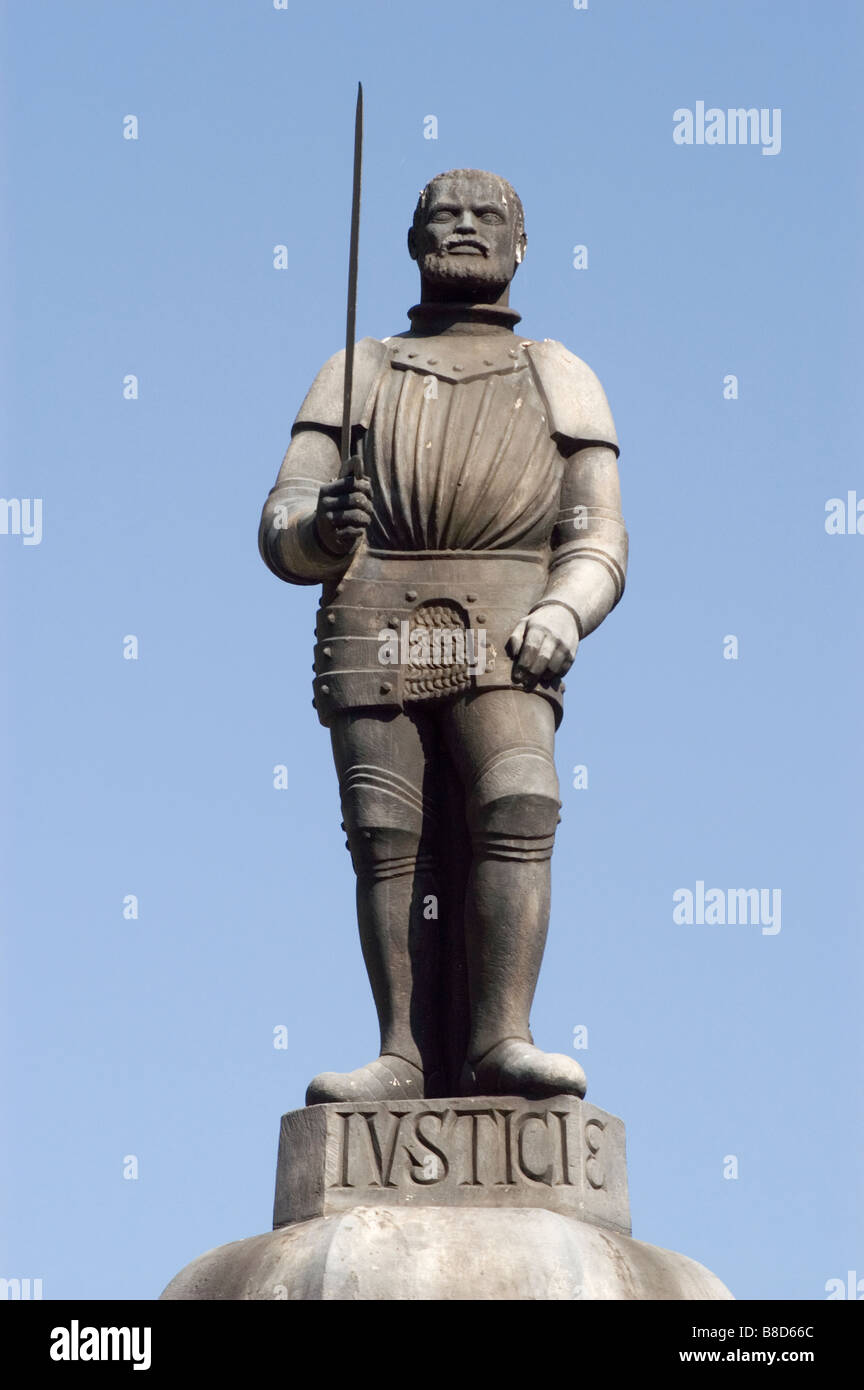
(500, 744)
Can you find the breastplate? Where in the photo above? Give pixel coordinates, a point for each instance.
(458, 448)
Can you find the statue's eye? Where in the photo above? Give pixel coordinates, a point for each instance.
(441, 215)
(491, 217)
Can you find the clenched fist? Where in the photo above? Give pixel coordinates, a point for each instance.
(543, 645)
(344, 511)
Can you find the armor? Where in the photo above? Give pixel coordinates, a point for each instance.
(466, 441)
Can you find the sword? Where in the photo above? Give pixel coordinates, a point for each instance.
(352, 286)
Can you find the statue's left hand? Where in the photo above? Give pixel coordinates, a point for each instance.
(543, 645)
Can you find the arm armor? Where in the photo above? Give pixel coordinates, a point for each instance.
(287, 537)
(589, 542)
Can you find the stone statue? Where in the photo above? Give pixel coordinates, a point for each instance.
(473, 539)
(454, 489)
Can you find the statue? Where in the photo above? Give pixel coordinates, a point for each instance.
(454, 490)
(468, 545)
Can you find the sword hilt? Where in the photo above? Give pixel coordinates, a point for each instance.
(355, 458)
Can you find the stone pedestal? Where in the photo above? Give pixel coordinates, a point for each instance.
(483, 1198)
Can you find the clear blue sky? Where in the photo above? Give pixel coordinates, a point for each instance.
(154, 777)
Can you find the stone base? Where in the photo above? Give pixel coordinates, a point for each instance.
(443, 1254)
(466, 1199)
(562, 1154)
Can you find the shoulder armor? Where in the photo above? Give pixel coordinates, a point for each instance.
(576, 404)
(323, 403)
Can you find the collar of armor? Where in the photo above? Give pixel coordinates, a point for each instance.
(430, 317)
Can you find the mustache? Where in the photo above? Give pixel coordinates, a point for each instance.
(454, 241)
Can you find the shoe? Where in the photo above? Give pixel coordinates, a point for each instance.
(516, 1068)
(387, 1078)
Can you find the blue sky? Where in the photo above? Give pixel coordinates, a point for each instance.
(154, 777)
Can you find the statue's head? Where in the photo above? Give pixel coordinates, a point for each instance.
(468, 234)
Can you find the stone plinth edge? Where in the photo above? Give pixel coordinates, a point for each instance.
(443, 1254)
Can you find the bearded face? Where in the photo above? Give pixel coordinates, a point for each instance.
(470, 237)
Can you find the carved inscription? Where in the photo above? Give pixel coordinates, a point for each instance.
(593, 1165)
(559, 1154)
(492, 1146)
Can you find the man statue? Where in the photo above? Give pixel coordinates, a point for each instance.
(480, 501)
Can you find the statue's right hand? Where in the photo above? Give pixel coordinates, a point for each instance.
(344, 511)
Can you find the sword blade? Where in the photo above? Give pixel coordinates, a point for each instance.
(352, 280)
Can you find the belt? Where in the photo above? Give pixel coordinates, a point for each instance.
(403, 627)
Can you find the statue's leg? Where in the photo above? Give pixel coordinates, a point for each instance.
(502, 743)
(385, 777)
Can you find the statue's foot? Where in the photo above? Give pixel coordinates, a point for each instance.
(388, 1078)
(517, 1068)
